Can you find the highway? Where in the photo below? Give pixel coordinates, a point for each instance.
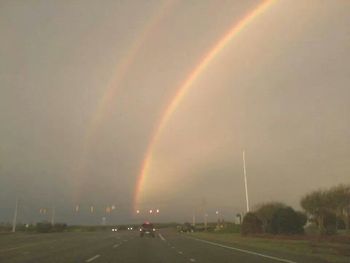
(126, 246)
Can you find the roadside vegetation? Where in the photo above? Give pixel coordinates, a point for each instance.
(321, 230)
(326, 212)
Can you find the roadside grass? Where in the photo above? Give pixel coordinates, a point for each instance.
(337, 251)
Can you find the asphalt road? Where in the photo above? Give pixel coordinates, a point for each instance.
(125, 246)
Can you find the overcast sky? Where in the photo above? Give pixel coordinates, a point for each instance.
(83, 85)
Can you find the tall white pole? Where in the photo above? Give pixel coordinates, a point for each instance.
(53, 215)
(14, 223)
(194, 218)
(245, 182)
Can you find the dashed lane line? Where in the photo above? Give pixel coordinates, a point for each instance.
(25, 246)
(93, 258)
(116, 245)
(161, 237)
(14, 248)
(192, 260)
(244, 251)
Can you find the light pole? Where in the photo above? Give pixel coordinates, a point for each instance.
(14, 223)
(53, 215)
(245, 182)
(194, 218)
(217, 216)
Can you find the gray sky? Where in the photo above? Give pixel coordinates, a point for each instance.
(279, 90)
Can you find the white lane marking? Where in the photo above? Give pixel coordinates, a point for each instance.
(116, 245)
(93, 258)
(24, 246)
(192, 260)
(125, 240)
(161, 237)
(244, 251)
(180, 252)
(14, 248)
(173, 247)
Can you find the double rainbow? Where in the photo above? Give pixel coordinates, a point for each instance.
(187, 84)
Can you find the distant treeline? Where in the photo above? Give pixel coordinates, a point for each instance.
(40, 227)
(47, 227)
(325, 212)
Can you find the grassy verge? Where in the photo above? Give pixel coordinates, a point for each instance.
(337, 252)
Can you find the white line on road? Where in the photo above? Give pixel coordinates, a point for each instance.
(93, 258)
(14, 248)
(116, 245)
(25, 246)
(244, 251)
(125, 240)
(161, 237)
(192, 260)
(180, 252)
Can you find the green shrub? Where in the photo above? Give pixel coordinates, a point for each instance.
(286, 221)
(59, 227)
(43, 227)
(251, 224)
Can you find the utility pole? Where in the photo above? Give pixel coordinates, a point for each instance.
(194, 219)
(205, 221)
(245, 182)
(14, 223)
(53, 215)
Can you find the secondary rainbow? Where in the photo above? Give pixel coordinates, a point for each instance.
(115, 83)
(187, 84)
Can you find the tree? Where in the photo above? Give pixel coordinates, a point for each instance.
(339, 200)
(287, 221)
(265, 213)
(321, 205)
(317, 204)
(251, 224)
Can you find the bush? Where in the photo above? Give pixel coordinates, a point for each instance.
(59, 227)
(43, 227)
(47, 227)
(251, 224)
(265, 213)
(286, 221)
(311, 229)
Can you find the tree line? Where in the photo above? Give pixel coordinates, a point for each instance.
(325, 212)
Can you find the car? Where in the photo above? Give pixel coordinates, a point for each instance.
(147, 228)
(130, 228)
(115, 229)
(186, 227)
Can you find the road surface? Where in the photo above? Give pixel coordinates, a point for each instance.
(126, 246)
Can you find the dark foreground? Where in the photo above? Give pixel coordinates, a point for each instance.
(126, 246)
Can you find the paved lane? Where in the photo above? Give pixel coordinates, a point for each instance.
(57, 247)
(127, 246)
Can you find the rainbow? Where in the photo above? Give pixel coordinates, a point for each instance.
(121, 71)
(187, 84)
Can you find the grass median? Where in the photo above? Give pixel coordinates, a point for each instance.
(327, 250)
